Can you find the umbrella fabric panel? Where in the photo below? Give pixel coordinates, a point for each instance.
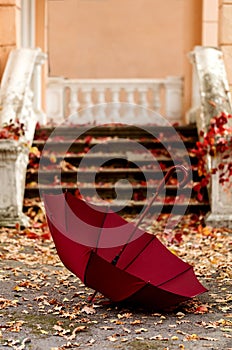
(156, 264)
(130, 252)
(185, 284)
(154, 298)
(55, 209)
(73, 255)
(116, 231)
(84, 222)
(90, 214)
(108, 279)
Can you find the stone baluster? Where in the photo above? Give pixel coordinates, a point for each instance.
(55, 102)
(156, 103)
(115, 106)
(37, 88)
(100, 109)
(87, 111)
(129, 107)
(143, 101)
(73, 102)
(174, 98)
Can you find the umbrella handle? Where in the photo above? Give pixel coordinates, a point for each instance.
(176, 168)
(170, 172)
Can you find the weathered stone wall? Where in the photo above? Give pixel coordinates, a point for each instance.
(10, 13)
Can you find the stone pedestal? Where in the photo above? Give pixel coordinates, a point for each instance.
(13, 164)
(220, 199)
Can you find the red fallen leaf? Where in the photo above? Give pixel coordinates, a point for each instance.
(177, 238)
(17, 226)
(204, 182)
(162, 166)
(202, 309)
(32, 235)
(197, 187)
(46, 236)
(88, 139)
(213, 171)
(38, 126)
(53, 301)
(86, 149)
(221, 166)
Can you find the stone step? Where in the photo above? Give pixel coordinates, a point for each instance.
(115, 159)
(115, 130)
(135, 175)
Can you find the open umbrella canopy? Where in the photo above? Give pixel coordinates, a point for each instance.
(115, 257)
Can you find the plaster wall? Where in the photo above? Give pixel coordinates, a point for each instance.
(123, 38)
(10, 13)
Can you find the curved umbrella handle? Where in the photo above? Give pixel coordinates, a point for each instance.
(176, 168)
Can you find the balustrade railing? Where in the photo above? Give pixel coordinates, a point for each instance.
(114, 100)
(20, 100)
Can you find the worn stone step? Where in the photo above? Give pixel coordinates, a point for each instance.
(110, 156)
(134, 175)
(110, 145)
(115, 130)
(116, 159)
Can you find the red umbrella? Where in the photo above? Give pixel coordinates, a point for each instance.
(117, 258)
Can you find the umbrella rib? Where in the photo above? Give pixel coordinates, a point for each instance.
(179, 274)
(136, 256)
(101, 228)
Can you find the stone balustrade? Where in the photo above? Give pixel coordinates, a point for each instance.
(114, 100)
(20, 99)
(20, 93)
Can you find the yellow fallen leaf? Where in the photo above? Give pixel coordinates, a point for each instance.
(174, 337)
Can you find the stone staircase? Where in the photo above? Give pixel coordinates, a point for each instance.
(98, 162)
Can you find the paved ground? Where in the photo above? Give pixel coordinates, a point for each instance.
(43, 306)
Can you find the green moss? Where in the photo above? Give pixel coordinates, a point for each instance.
(37, 322)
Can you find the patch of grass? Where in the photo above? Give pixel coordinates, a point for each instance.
(37, 322)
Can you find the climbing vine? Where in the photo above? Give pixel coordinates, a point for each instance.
(217, 140)
(12, 130)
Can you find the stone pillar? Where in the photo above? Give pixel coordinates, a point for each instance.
(220, 198)
(10, 18)
(214, 98)
(13, 158)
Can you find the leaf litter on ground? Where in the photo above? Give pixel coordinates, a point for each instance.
(40, 298)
